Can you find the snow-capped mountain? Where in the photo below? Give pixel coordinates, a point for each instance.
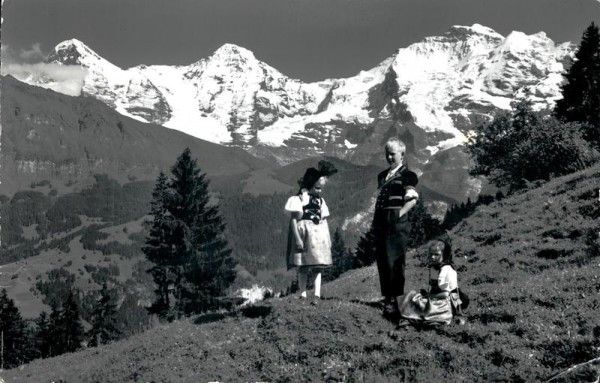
(431, 93)
(440, 84)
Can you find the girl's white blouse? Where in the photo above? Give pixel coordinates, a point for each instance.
(297, 202)
(447, 280)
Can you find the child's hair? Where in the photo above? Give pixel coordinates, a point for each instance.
(446, 252)
(395, 143)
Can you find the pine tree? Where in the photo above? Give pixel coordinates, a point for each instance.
(104, 326)
(56, 332)
(44, 335)
(72, 329)
(365, 249)
(13, 332)
(423, 226)
(339, 255)
(132, 317)
(162, 250)
(581, 90)
(193, 265)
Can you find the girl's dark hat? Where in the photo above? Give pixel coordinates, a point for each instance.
(311, 176)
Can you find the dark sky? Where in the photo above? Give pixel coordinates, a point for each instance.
(306, 39)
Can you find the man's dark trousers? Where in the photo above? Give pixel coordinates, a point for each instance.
(391, 239)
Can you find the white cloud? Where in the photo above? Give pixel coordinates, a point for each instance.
(33, 55)
(7, 54)
(26, 65)
(60, 78)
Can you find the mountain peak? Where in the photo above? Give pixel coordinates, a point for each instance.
(75, 52)
(475, 29)
(232, 52)
(71, 52)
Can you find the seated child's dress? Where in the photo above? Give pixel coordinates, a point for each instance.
(436, 306)
(313, 230)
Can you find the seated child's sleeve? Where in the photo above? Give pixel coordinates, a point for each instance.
(294, 204)
(447, 279)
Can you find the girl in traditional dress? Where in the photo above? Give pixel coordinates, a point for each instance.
(441, 302)
(309, 241)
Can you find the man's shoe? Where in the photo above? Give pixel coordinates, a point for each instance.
(391, 312)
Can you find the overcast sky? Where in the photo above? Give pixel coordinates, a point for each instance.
(306, 39)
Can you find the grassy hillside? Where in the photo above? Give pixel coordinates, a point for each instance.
(530, 263)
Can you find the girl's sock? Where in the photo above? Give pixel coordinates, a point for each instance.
(302, 281)
(318, 285)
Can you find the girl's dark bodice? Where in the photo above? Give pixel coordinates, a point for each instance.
(434, 288)
(312, 210)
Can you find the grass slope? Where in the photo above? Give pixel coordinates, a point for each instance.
(530, 264)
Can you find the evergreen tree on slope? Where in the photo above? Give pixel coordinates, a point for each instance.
(581, 90)
(365, 249)
(104, 325)
(193, 266)
(72, 329)
(341, 257)
(55, 331)
(43, 335)
(13, 333)
(521, 146)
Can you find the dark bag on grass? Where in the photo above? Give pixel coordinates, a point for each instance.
(464, 299)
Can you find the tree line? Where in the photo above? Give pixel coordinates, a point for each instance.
(55, 333)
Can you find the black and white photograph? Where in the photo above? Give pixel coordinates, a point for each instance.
(336, 191)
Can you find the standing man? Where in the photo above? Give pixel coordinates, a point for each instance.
(397, 195)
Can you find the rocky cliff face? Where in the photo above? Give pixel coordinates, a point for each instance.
(431, 93)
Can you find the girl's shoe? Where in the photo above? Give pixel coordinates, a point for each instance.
(315, 300)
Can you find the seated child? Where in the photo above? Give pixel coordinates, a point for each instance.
(441, 302)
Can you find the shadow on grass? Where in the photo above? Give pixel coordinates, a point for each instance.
(375, 304)
(212, 317)
(252, 312)
(257, 311)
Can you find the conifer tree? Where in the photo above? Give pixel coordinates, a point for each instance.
(581, 90)
(162, 251)
(72, 329)
(341, 258)
(193, 265)
(56, 333)
(13, 333)
(104, 326)
(132, 317)
(44, 335)
(423, 226)
(365, 249)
